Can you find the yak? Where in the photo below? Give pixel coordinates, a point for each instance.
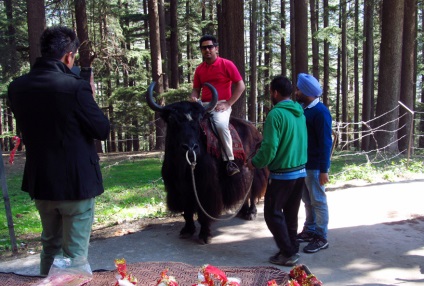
(195, 179)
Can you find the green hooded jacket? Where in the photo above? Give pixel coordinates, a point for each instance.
(285, 141)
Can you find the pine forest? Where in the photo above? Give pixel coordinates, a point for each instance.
(367, 55)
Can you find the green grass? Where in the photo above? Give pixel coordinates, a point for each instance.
(373, 168)
(134, 190)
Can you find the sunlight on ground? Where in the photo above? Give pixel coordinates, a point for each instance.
(417, 252)
(362, 264)
(365, 206)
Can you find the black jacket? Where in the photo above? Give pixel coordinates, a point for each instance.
(59, 121)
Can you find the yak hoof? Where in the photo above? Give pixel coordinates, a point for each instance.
(250, 216)
(187, 232)
(205, 239)
(247, 215)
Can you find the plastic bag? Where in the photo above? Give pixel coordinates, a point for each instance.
(69, 272)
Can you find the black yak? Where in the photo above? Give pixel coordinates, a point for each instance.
(191, 174)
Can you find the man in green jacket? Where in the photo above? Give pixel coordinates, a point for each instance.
(284, 152)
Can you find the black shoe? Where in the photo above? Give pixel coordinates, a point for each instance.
(316, 245)
(280, 259)
(232, 168)
(305, 236)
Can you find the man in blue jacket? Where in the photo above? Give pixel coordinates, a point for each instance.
(318, 122)
(59, 119)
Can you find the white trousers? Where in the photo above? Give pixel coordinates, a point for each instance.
(222, 121)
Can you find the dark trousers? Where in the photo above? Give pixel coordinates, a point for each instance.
(282, 202)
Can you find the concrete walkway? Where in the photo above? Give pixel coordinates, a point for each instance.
(376, 237)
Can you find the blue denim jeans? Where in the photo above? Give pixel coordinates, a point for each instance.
(316, 207)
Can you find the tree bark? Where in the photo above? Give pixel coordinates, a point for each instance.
(283, 38)
(36, 24)
(231, 39)
(253, 92)
(408, 73)
(163, 48)
(344, 72)
(82, 32)
(356, 77)
(301, 37)
(174, 51)
(389, 74)
(267, 46)
(155, 51)
(368, 74)
(326, 58)
(421, 125)
(315, 47)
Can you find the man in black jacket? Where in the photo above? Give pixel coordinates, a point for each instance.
(59, 119)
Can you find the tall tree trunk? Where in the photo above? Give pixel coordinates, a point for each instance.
(154, 35)
(10, 66)
(293, 45)
(390, 74)
(146, 39)
(253, 92)
(267, 45)
(421, 125)
(82, 32)
(174, 51)
(188, 44)
(356, 78)
(261, 98)
(408, 73)
(36, 25)
(368, 73)
(283, 38)
(230, 35)
(314, 28)
(326, 59)
(84, 49)
(338, 76)
(301, 37)
(163, 48)
(344, 82)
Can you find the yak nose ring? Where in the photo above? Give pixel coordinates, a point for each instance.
(188, 160)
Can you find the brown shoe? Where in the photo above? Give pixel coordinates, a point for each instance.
(232, 168)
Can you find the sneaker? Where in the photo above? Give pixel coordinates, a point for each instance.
(305, 236)
(280, 259)
(232, 168)
(316, 245)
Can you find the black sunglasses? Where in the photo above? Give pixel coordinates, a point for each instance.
(204, 48)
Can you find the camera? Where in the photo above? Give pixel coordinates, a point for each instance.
(84, 72)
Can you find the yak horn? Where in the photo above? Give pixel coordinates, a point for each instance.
(156, 107)
(149, 98)
(214, 100)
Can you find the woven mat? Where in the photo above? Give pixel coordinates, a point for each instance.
(148, 273)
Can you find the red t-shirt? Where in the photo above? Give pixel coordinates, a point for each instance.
(221, 74)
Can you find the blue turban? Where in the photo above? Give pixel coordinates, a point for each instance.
(308, 85)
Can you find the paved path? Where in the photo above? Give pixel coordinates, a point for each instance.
(376, 237)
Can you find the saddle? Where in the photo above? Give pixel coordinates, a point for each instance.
(213, 143)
